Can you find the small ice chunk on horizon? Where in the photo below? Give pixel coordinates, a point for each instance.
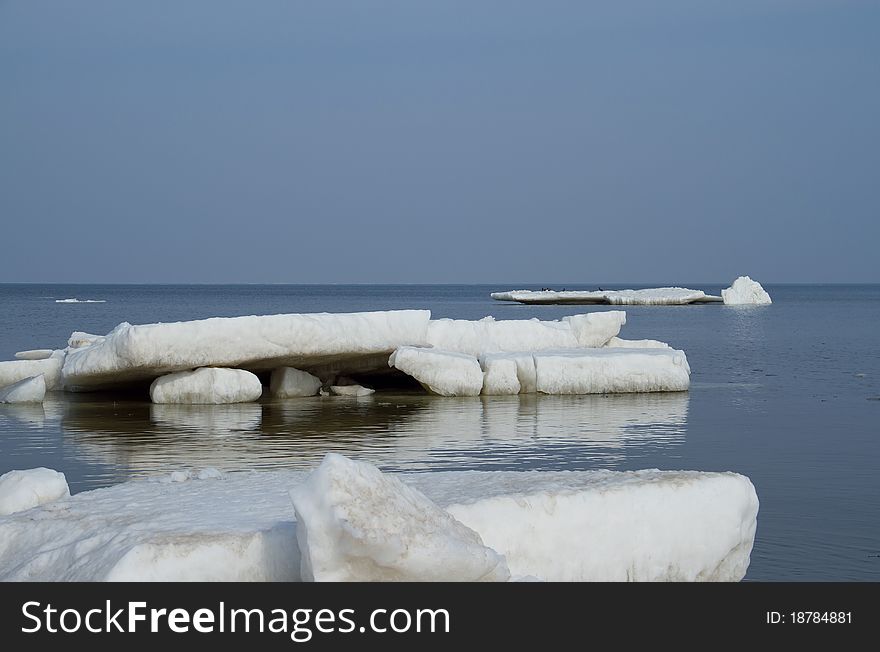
(744, 291)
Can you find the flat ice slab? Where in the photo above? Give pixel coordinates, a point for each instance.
(137, 353)
(207, 386)
(669, 296)
(649, 366)
(440, 372)
(29, 390)
(34, 354)
(488, 335)
(588, 525)
(745, 291)
(23, 490)
(12, 371)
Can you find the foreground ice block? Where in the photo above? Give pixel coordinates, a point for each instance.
(287, 382)
(22, 490)
(574, 526)
(355, 523)
(440, 372)
(12, 371)
(604, 371)
(745, 291)
(207, 386)
(29, 390)
(488, 335)
(137, 353)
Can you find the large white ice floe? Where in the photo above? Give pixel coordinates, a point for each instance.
(12, 371)
(208, 385)
(287, 382)
(745, 291)
(29, 390)
(355, 523)
(576, 526)
(488, 335)
(137, 353)
(666, 296)
(440, 372)
(648, 367)
(22, 490)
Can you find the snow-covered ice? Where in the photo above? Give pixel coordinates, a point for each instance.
(583, 525)
(75, 300)
(440, 372)
(352, 389)
(34, 354)
(287, 382)
(22, 490)
(745, 291)
(618, 343)
(12, 371)
(78, 339)
(489, 336)
(131, 353)
(602, 371)
(355, 523)
(29, 390)
(666, 296)
(208, 385)
(628, 366)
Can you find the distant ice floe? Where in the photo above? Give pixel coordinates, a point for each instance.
(668, 296)
(745, 291)
(348, 521)
(74, 300)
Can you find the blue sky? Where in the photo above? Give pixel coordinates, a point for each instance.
(408, 141)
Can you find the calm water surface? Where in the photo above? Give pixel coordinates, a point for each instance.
(787, 394)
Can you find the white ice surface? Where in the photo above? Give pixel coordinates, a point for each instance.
(351, 390)
(78, 339)
(602, 371)
(630, 366)
(588, 525)
(12, 371)
(440, 372)
(355, 523)
(208, 385)
(34, 354)
(647, 297)
(131, 353)
(22, 490)
(75, 300)
(490, 336)
(618, 343)
(287, 382)
(745, 291)
(29, 390)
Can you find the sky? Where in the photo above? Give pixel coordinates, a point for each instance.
(411, 141)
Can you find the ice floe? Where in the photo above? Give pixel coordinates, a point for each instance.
(588, 525)
(137, 353)
(440, 372)
(29, 390)
(355, 523)
(78, 339)
(208, 385)
(12, 371)
(287, 382)
(667, 296)
(34, 354)
(745, 291)
(351, 389)
(75, 300)
(23, 490)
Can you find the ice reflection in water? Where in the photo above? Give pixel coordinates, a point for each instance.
(396, 431)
